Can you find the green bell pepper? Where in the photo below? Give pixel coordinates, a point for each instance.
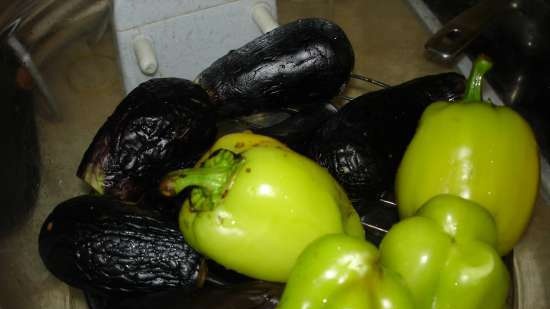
(446, 255)
(476, 150)
(240, 141)
(255, 212)
(338, 271)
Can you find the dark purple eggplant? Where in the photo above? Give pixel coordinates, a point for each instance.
(292, 126)
(250, 295)
(364, 142)
(304, 62)
(219, 280)
(98, 243)
(162, 125)
(297, 130)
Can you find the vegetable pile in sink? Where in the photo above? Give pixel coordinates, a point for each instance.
(190, 211)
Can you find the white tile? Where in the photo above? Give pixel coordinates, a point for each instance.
(187, 44)
(131, 13)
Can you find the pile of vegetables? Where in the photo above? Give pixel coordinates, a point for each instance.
(181, 219)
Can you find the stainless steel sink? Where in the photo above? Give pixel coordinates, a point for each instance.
(76, 60)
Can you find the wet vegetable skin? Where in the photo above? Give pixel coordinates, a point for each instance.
(303, 62)
(254, 212)
(97, 243)
(446, 255)
(163, 124)
(479, 151)
(338, 271)
(363, 143)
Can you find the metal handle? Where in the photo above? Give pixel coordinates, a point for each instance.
(446, 44)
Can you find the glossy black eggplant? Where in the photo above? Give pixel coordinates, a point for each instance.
(219, 279)
(297, 130)
(363, 143)
(162, 125)
(98, 243)
(304, 62)
(292, 126)
(250, 295)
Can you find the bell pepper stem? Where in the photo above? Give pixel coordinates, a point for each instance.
(473, 87)
(208, 178)
(208, 181)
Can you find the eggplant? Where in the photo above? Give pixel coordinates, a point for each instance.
(305, 62)
(293, 126)
(250, 295)
(162, 125)
(218, 280)
(364, 142)
(98, 243)
(297, 130)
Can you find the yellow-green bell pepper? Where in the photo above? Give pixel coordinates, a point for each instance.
(476, 150)
(446, 255)
(255, 212)
(239, 142)
(341, 272)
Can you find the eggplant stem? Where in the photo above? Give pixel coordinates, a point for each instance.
(474, 85)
